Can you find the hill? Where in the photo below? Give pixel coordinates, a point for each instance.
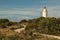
(45, 25)
(33, 30)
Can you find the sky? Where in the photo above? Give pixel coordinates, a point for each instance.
(16, 10)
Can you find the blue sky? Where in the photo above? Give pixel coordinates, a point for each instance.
(16, 10)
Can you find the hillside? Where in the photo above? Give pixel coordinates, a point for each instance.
(33, 31)
(45, 25)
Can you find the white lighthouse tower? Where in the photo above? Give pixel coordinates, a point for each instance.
(44, 12)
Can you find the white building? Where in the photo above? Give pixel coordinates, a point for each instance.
(44, 12)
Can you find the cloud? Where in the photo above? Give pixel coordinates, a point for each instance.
(54, 11)
(18, 14)
(14, 17)
(23, 11)
(15, 12)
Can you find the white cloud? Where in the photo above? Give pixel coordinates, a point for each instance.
(53, 11)
(23, 12)
(15, 12)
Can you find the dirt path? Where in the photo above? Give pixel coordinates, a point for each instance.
(53, 36)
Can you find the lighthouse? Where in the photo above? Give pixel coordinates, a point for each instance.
(44, 12)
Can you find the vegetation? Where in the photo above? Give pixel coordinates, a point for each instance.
(45, 25)
(39, 25)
